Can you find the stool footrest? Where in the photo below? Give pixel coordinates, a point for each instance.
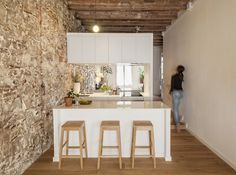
(109, 156)
(70, 156)
(142, 146)
(74, 147)
(114, 147)
(147, 156)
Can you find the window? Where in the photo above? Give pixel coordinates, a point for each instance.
(124, 77)
(128, 77)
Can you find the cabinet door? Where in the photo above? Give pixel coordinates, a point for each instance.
(88, 48)
(143, 48)
(115, 49)
(74, 48)
(102, 49)
(128, 49)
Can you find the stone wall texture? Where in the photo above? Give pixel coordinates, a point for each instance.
(34, 77)
(87, 75)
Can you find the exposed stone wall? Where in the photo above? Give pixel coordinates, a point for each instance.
(33, 77)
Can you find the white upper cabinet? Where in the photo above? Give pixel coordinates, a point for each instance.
(88, 48)
(128, 49)
(115, 49)
(109, 48)
(144, 44)
(74, 49)
(101, 49)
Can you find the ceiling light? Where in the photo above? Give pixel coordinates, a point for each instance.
(137, 29)
(96, 28)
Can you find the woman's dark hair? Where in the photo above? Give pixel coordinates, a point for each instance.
(180, 68)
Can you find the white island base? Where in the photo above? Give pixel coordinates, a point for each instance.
(125, 112)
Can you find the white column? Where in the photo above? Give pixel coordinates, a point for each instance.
(167, 135)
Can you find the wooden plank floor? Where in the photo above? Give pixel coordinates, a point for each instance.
(190, 157)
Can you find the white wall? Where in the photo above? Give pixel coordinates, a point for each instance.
(156, 70)
(204, 40)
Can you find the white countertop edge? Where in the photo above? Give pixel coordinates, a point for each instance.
(114, 105)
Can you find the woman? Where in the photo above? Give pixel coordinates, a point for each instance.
(177, 93)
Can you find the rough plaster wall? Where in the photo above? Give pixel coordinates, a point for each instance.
(33, 77)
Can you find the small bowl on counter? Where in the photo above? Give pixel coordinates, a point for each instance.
(85, 102)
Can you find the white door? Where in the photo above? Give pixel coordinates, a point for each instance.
(128, 49)
(74, 48)
(102, 49)
(88, 48)
(115, 49)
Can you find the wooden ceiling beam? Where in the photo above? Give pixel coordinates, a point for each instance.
(110, 8)
(129, 28)
(131, 2)
(157, 38)
(132, 21)
(127, 5)
(126, 15)
(125, 23)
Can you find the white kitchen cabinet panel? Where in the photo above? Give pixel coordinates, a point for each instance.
(143, 48)
(109, 48)
(115, 49)
(88, 46)
(74, 49)
(128, 48)
(101, 49)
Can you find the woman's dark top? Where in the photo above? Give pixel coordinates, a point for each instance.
(176, 82)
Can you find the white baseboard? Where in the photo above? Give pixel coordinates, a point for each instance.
(218, 153)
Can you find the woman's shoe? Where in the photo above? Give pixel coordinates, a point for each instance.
(178, 128)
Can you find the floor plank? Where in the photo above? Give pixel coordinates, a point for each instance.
(190, 157)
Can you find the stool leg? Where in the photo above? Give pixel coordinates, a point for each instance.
(100, 148)
(60, 147)
(67, 141)
(153, 148)
(133, 147)
(150, 142)
(85, 143)
(119, 147)
(132, 138)
(81, 148)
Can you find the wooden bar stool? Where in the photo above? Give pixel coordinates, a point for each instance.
(145, 126)
(73, 126)
(109, 125)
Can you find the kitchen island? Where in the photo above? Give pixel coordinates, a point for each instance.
(124, 111)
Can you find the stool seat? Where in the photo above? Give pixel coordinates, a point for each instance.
(142, 124)
(110, 125)
(73, 125)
